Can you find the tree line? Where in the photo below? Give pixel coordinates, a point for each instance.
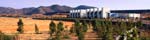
(105, 29)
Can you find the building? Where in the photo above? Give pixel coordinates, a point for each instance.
(106, 13)
(90, 13)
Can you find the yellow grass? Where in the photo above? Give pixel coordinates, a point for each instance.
(9, 25)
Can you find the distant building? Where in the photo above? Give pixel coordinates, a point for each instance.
(106, 13)
(89, 13)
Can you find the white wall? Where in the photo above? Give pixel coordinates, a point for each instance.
(83, 13)
(134, 15)
(105, 12)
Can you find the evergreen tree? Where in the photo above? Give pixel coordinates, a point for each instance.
(109, 32)
(81, 35)
(52, 27)
(100, 29)
(139, 24)
(72, 30)
(130, 25)
(20, 26)
(135, 34)
(77, 26)
(123, 27)
(58, 35)
(60, 26)
(79, 30)
(104, 30)
(85, 27)
(36, 29)
(95, 24)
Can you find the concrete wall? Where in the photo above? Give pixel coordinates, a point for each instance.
(134, 15)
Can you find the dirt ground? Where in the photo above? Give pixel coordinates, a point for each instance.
(9, 25)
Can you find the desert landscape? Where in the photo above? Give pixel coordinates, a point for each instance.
(9, 25)
(74, 20)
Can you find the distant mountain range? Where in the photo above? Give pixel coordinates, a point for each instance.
(41, 9)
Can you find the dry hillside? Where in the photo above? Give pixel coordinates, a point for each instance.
(9, 25)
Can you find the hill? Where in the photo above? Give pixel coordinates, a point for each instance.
(40, 10)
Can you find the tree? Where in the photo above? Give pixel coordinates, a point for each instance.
(58, 35)
(52, 27)
(77, 26)
(95, 24)
(81, 35)
(85, 27)
(20, 26)
(79, 30)
(107, 30)
(139, 24)
(130, 25)
(72, 30)
(123, 27)
(135, 34)
(36, 29)
(109, 33)
(60, 26)
(58, 31)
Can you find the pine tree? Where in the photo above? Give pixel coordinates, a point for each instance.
(100, 29)
(72, 30)
(77, 26)
(58, 35)
(135, 34)
(36, 29)
(81, 35)
(109, 31)
(85, 27)
(52, 27)
(95, 24)
(103, 28)
(79, 30)
(123, 27)
(139, 24)
(20, 26)
(130, 25)
(60, 26)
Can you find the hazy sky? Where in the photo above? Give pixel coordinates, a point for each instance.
(112, 4)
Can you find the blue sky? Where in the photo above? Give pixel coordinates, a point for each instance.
(112, 4)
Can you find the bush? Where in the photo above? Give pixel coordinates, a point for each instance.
(66, 37)
(5, 37)
(60, 26)
(20, 26)
(52, 27)
(36, 29)
(84, 26)
(145, 38)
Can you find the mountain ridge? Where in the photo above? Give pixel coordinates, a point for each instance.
(41, 9)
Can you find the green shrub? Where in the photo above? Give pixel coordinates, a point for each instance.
(6, 37)
(20, 26)
(52, 27)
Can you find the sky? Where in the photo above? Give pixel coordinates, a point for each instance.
(111, 4)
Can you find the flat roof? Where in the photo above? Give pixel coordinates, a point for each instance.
(138, 11)
(131, 11)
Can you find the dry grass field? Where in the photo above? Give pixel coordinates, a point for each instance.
(9, 25)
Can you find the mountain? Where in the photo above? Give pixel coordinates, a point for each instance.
(7, 10)
(84, 7)
(40, 10)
